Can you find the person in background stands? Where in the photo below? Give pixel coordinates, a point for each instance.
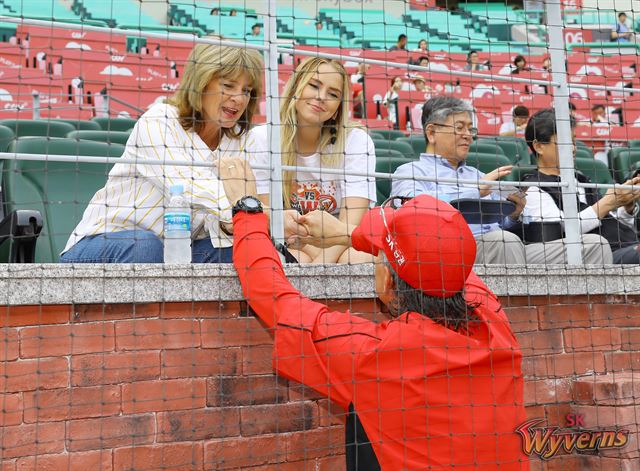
(215, 12)
(599, 114)
(401, 44)
(516, 127)
(520, 65)
(423, 46)
(440, 385)
(621, 32)
(610, 216)
(206, 119)
(233, 13)
(423, 61)
(390, 100)
(316, 133)
(473, 62)
(319, 26)
(256, 30)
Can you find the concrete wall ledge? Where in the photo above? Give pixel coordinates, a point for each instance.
(141, 283)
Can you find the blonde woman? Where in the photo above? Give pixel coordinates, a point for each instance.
(316, 133)
(208, 118)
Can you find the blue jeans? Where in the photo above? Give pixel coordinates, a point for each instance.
(137, 247)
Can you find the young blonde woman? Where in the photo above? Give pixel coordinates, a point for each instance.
(208, 118)
(316, 133)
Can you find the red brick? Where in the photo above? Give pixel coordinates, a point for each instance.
(110, 432)
(168, 456)
(611, 389)
(547, 391)
(616, 315)
(601, 463)
(10, 410)
(190, 362)
(300, 392)
(561, 316)
(170, 394)
(74, 403)
(8, 465)
(113, 311)
(200, 310)
(622, 361)
(233, 453)
(198, 424)
(522, 319)
(245, 391)
(120, 367)
(631, 449)
(9, 345)
(60, 340)
(564, 364)
(257, 360)
(310, 465)
(331, 463)
(27, 375)
(593, 339)
(556, 414)
(157, 334)
(291, 417)
(32, 439)
(233, 332)
(630, 339)
(315, 443)
(88, 460)
(597, 416)
(540, 343)
(330, 413)
(20, 316)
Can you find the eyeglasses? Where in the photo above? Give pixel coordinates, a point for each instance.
(459, 129)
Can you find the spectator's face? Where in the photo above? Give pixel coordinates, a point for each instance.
(319, 26)
(397, 83)
(473, 58)
(521, 121)
(521, 64)
(422, 45)
(549, 154)
(419, 85)
(598, 114)
(452, 138)
(255, 30)
(225, 100)
(622, 18)
(402, 42)
(321, 97)
(424, 63)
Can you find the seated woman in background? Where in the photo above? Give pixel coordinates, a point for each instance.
(316, 133)
(207, 119)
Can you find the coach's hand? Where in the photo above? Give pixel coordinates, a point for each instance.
(324, 230)
(237, 178)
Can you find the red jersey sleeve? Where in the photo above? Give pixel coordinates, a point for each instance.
(313, 345)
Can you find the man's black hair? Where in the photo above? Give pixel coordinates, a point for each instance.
(542, 127)
(453, 313)
(521, 111)
(472, 51)
(621, 13)
(597, 106)
(401, 37)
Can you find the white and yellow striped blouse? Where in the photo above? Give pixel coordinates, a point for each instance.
(135, 194)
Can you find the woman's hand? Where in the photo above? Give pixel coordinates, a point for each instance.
(294, 231)
(237, 178)
(494, 175)
(324, 230)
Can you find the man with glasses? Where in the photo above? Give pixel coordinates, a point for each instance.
(440, 385)
(448, 128)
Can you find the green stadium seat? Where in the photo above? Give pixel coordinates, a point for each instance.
(596, 170)
(487, 162)
(375, 135)
(30, 127)
(634, 143)
(612, 154)
(115, 124)
(59, 190)
(515, 148)
(118, 137)
(583, 153)
(417, 141)
(387, 161)
(80, 124)
(403, 147)
(520, 171)
(6, 137)
(486, 147)
(623, 162)
(390, 134)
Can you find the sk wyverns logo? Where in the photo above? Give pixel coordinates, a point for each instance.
(550, 441)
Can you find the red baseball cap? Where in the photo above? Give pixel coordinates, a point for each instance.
(427, 242)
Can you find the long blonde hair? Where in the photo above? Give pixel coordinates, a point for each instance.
(207, 62)
(331, 155)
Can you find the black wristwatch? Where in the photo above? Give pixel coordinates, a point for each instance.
(247, 204)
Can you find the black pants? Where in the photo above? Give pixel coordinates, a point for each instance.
(627, 255)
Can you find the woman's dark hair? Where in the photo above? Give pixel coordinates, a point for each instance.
(521, 111)
(542, 127)
(472, 51)
(453, 313)
(519, 58)
(393, 79)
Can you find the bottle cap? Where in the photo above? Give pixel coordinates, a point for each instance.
(176, 189)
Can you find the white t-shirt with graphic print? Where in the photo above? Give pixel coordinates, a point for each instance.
(315, 189)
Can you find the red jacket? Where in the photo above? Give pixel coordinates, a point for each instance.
(427, 397)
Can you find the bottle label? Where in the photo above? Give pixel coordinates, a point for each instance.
(174, 222)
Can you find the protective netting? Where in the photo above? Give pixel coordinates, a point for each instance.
(134, 133)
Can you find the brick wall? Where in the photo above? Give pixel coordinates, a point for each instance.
(189, 385)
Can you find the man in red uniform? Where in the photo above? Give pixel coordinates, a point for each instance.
(437, 387)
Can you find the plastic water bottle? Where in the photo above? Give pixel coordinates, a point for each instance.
(177, 228)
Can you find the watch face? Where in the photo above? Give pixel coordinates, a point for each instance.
(251, 203)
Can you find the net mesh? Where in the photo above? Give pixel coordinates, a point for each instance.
(130, 132)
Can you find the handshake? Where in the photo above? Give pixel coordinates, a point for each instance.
(317, 228)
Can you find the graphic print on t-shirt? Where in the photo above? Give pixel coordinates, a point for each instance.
(310, 196)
